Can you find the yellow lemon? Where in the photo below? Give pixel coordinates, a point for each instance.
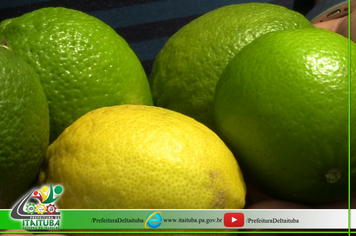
(142, 157)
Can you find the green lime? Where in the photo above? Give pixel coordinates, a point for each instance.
(83, 63)
(281, 105)
(24, 126)
(186, 70)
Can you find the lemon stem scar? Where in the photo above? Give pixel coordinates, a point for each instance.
(332, 175)
(3, 44)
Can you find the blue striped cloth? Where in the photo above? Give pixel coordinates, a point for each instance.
(145, 24)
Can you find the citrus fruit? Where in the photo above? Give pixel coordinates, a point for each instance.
(24, 126)
(186, 70)
(281, 105)
(82, 63)
(142, 157)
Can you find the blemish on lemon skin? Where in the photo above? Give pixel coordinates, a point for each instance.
(213, 175)
(220, 200)
(333, 175)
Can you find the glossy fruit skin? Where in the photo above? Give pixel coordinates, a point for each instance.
(82, 63)
(24, 127)
(142, 157)
(186, 70)
(281, 105)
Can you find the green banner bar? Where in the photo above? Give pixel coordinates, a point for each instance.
(174, 219)
(6, 222)
(100, 219)
(114, 219)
